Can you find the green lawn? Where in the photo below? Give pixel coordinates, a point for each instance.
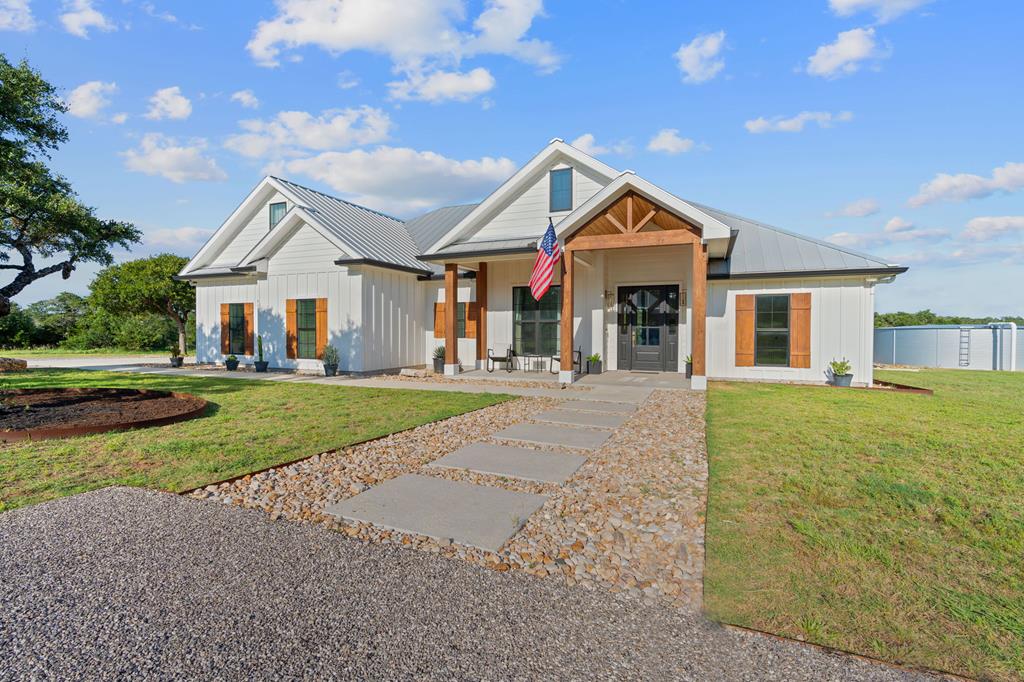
(250, 425)
(884, 524)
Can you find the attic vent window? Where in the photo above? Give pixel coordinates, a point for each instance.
(277, 212)
(561, 190)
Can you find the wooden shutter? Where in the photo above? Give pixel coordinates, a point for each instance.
(292, 325)
(225, 328)
(249, 339)
(439, 320)
(744, 330)
(472, 317)
(800, 330)
(321, 326)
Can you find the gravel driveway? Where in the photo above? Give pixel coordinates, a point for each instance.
(125, 582)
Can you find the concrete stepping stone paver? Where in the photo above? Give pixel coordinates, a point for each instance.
(474, 515)
(504, 460)
(598, 406)
(550, 434)
(577, 418)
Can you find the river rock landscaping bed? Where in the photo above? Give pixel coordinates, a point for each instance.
(631, 520)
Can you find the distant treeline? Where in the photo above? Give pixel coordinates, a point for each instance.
(902, 319)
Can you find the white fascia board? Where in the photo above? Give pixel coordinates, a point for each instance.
(227, 230)
(517, 183)
(284, 230)
(710, 227)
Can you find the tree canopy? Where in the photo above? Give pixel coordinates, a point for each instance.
(147, 285)
(902, 319)
(40, 215)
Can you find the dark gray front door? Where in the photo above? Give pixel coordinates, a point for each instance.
(648, 328)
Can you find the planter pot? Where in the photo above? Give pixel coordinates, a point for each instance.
(689, 370)
(232, 365)
(438, 365)
(261, 365)
(594, 367)
(842, 379)
(177, 362)
(330, 370)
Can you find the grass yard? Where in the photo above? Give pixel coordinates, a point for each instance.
(884, 524)
(251, 425)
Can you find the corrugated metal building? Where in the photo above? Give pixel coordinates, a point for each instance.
(998, 346)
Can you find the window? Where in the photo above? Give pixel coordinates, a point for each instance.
(561, 189)
(305, 327)
(236, 328)
(771, 330)
(536, 325)
(277, 212)
(460, 320)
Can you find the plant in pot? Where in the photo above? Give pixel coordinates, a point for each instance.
(177, 360)
(841, 374)
(261, 364)
(330, 360)
(594, 363)
(439, 360)
(689, 366)
(231, 362)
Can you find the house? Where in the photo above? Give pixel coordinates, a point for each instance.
(646, 280)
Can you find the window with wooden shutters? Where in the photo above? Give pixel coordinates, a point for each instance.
(305, 328)
(463, 329)
(771, 330)
(800, 330)
(236, 329)
(744, 330)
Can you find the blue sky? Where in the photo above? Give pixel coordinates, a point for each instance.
(891, 126)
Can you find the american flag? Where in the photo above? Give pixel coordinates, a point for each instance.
(548, 253)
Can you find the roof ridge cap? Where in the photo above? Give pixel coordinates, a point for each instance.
(338, 199)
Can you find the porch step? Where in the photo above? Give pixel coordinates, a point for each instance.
(578, 418)
(551, 434)
(521, 463)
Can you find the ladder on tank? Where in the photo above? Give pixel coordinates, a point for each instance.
(965, 346)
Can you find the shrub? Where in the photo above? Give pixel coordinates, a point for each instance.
(330, 356)
(439, 353)
(840, 367)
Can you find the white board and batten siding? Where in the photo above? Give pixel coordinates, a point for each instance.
(393, 322)
(842, 323)
(251, 232)
(433, 292)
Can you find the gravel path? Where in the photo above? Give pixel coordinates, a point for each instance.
(129, 583)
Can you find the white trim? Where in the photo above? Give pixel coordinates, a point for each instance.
(286, 229)
(516, 183)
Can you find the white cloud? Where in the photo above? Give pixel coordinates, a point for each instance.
(246, 98)
(89, 99)
(425, 40)
(178, 237)
(856, 209)
(290, 132)
(587, 144)
(79, 16)
(439, 86)
(404, 180)
(16, 15)
(119, 118)
(347, 80)
(845, 55)
(169, 103)
(699, 59)
(884, 10)
(993, 227)
(963, 186)
(667, 140)
(796, 124)
(896, 230)
(160, 155)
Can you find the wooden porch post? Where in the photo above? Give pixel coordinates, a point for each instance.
(451, 300)
(481, 307)
(698, 345)
(565, 366)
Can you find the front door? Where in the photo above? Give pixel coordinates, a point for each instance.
(648, 328)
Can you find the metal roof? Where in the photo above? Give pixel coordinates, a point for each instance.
(430, 227)
(375, 235)
(760, 249)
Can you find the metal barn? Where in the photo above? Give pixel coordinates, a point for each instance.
(997, 346)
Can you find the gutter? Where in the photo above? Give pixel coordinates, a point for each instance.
(383, 264)
(895, 270)
(530, 248)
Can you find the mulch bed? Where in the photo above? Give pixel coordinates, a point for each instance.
(33, 413)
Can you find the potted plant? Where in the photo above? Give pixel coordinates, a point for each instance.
(231, 362)
(594, 363)
(176, 358)
(689, 366)
(841, 374)
(261, 364)
(439, 360)
(330, 360)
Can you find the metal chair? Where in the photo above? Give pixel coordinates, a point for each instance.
(577, 361)
(508, 358)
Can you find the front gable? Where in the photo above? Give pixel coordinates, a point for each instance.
(251, 232)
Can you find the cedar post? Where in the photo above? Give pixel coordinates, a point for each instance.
(481, 308)
(451, 300)
(565, 366)
(698, 345)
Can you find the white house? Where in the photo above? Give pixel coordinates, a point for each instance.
(647, 279)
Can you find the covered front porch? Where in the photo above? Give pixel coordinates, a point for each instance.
(632, 288)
